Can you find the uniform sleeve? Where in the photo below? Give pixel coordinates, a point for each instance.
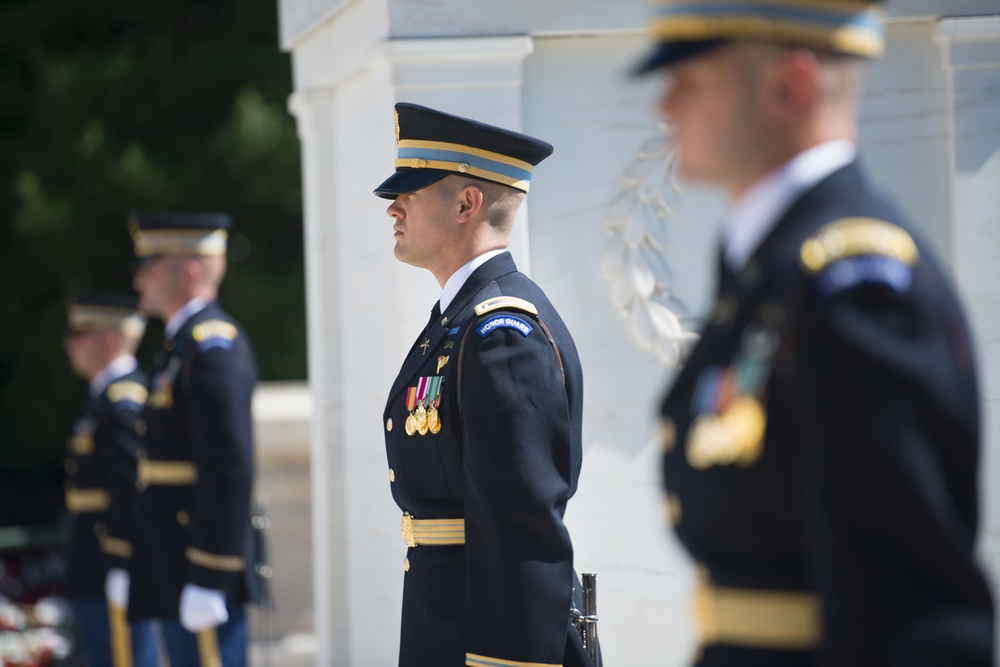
(120, 445)
(519, 568)
(221, 438)
(889, 408)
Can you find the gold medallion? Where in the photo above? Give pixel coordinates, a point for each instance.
(432, 420)
(746, 421)
(421, 417)
(411, 424)
(734, 437)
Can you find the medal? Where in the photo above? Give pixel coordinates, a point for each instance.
(433, 400)
(411, 421)
(421, 413)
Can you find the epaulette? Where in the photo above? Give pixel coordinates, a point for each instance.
(505, 303)
(214, 329)
(214, 333)
(859, 251)
(851, 237)
(126, 390)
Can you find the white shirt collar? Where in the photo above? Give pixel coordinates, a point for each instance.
(459, 277)
(751, 217)
(183, 315)
(120, 367)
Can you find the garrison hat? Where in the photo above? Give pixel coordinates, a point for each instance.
(686, 28)
(179, 233)
(101, 311)
(433, 144)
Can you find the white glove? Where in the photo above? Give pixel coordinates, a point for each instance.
(202, 608)
(116, 587)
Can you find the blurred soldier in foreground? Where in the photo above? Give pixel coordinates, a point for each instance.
(483, 423)
(104, 331)
(194, 546)
(821, 442)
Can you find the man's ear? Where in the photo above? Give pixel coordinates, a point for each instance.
(109, 341)
(192, 269)
(793, 83)
(470, 203)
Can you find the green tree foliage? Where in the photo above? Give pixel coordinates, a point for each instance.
(108, 106)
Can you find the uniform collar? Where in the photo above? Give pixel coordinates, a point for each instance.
(120, 367)
(183, 315)
(454, 284)
(751, 217)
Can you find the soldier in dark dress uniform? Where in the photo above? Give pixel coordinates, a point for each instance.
(104, 331)
(483, 423)
(821, 442)
(194, 560)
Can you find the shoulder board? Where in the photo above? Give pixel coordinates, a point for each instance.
(214, 329)
(851, 237)
(504, 303)
(126, 390)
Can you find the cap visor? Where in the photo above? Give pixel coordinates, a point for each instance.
(406, 181)
(671, 53)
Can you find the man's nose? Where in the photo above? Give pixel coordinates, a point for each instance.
(394, 210)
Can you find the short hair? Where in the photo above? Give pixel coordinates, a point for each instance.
(500, 202)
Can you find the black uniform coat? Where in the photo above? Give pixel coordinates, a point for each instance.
(100, 484)
(864, 490)
(198, 412)
(507, 460)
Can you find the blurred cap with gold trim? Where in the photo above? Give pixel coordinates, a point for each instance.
(157, 234)
(102, 311)
(433, 145)
(686, 28)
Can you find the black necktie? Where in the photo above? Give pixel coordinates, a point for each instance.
(435, 314)
(728, 282)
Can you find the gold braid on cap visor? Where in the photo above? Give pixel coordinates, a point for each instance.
(851, 27)
(462, 159)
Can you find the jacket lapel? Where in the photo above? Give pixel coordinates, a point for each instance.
(437, 331)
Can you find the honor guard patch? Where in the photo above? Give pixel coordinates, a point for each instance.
(504, 322)
(214, 333)
(128, 392)
(859, 251)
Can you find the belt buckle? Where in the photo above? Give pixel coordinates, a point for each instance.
(407, 530)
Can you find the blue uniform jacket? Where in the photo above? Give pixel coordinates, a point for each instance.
(100, 484)
(506, 459)
(196, 469)
(843, 347)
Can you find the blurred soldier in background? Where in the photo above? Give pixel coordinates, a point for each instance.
(821, 442)
(104, 332)
(194, 559)
(483, 423)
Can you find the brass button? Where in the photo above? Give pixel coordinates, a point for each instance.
(100, 530)
(183, 518)
(388, 424)
(140, 427)
(168, 344)
(667, 434)
(406, 565)
(392, 475)
(70, 467)
(674, 510)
